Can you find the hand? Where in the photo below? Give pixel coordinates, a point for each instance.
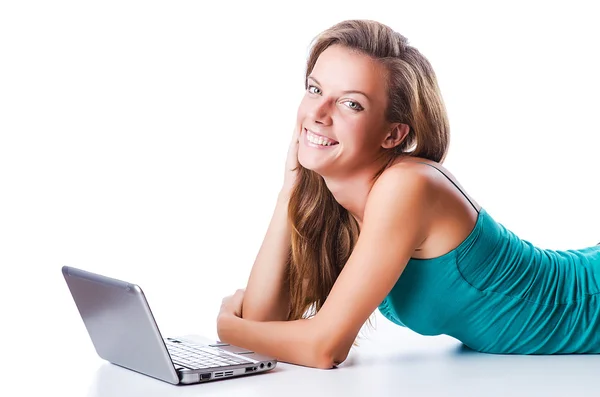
(292, 161)
(232, 305)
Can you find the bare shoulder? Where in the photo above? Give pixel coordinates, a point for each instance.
(402, 173)
(406, 176)
(449, 213)
(441, 179)
(400, 202)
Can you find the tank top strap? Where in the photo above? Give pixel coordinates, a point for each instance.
(459, 189)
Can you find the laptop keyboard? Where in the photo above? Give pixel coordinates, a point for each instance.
(199, 357)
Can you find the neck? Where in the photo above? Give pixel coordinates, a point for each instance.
(352, 190)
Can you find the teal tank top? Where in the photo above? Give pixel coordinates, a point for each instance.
(497, 293)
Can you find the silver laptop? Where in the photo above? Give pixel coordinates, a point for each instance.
(123, 331)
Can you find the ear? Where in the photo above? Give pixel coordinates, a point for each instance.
(397, 134)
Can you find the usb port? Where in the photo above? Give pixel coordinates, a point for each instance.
(250, 369)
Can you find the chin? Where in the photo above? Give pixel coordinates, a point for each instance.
(309, 165)
(313, 162)
(316, 160)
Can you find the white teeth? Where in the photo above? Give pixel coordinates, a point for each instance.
(318, 140)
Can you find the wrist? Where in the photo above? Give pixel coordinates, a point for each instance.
(284, 197)
(285, 193)
(226, 323)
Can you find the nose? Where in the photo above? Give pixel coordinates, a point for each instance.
(320, 111)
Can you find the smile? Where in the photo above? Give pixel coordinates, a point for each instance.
(318, 140)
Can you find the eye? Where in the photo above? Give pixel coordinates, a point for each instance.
(353, 105)
(314, 90)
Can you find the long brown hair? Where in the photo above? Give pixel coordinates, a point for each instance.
(323, 232)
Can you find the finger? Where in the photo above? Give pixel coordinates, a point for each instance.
(296, 134)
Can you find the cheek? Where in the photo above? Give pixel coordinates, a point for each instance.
(354, 130)
(360, 136)
(301, 113)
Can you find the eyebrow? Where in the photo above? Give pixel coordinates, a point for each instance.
(343, 92)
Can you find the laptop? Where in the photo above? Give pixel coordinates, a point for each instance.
(124, 332)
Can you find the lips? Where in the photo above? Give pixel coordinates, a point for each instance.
(316, 135)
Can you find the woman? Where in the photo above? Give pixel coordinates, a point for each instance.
(369, 218)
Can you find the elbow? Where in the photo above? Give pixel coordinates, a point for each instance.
(325, 361)
(324, 364)
(331, 343)
(322, 359)
(329, 354)
(328, 362)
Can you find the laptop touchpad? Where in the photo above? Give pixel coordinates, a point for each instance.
(235, 349)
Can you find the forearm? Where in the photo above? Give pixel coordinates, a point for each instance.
(294, 342)
(267, 295)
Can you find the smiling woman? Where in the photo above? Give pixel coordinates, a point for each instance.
(368, 218)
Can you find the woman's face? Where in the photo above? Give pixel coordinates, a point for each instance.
(345, 101)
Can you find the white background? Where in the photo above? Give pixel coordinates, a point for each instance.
(145, 140)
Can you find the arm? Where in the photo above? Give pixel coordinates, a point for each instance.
(396, 220)
(288, 341)
(267, 295)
